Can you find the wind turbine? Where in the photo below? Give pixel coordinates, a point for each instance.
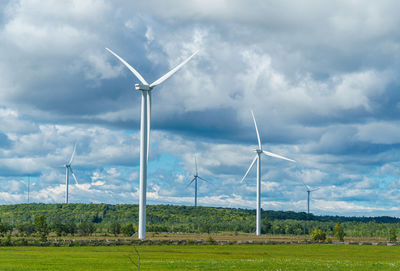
(196, 177)
(309, 190)
(29, 186)
(146, 88)
(68, 169)
(257, 158)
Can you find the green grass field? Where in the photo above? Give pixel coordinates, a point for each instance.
(202, 257)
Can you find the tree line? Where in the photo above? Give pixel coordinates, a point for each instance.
(87, 219)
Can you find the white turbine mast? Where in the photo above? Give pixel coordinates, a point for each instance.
(257, 158)
(68, 169)
(309, 190)
(195, 180)
(146, 88)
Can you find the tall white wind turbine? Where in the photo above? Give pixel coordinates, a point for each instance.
(68, 169)
(146, 88)
(309, 190)
(257, 158)
(195, 179)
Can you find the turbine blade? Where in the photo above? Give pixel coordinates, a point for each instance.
(251, 165)
(191, 182)
(73, 175)
(306, 186)
(148, 122)
(258, 135)
(315, 189)
(171, 72)
(135, 72)
(277, 156)
(203, 179)
(72, 156)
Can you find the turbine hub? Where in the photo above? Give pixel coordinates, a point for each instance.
(258, 151)
(142, 87)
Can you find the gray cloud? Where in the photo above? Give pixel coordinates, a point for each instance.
(320, 77)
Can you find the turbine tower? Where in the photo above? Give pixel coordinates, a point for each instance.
(196, 177)
(29, 186)
(309, 190)
(146, 88)
(257, 158)
(68, 169)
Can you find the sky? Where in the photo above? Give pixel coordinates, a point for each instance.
(322, 78)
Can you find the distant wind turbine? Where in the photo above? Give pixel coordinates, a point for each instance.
(68, 169)
(257, 158)
(29, 186)
(146, 88)
(196, 177)
(309, 190)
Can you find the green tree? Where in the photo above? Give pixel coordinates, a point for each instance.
(26, 228)
(7, 240)
(266, 227)
(91, 228)
(392, 235)
(3, 229)
(205, 227)
(59, 228)
(82, 229)
(128, 230)
(71, 228)
(339, 232)
(86, 228)
(96, 218)
(318, 235)
(115, 228)
(41, 227)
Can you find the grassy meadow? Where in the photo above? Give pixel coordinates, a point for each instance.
(203, 257)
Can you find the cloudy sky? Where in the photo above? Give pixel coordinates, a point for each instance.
(322, 78)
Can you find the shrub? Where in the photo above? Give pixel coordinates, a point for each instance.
(26, 228)
(70, 228)
(86, 228)
(210, 240)
(4, 228)
(115, 228)
(339, 232)
(266, 227)
(205, 227)
(128, 230)
(41, 227)
(59, 228)
(392, 235)
(20, 242)
(7, 240)
(318, 235)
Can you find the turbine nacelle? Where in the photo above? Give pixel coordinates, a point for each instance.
(258, 150)
(143, 87)
(309, 189)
